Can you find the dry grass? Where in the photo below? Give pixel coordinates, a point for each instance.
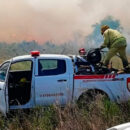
(99, 116)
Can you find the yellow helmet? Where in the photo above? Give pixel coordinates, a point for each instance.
(23, 80)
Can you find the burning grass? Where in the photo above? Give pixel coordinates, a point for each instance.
(98, 116)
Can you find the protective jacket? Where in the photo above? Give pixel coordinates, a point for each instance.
(113, 39)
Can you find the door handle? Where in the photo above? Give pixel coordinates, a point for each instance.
(62, 80)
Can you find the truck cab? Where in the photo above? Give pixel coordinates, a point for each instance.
(33, 80)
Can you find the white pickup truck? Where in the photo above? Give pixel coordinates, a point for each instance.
(43, 79)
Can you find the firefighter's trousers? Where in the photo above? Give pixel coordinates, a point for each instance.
(116, 50)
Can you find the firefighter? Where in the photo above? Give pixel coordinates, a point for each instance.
(116, 43)
(116, 63)
(82, 52)
(84, 65)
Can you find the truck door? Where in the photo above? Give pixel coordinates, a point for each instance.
(51, 82)
(3, 89)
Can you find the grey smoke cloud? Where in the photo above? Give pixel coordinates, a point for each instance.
(57, 20)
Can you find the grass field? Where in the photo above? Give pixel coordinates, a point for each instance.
(100, 115)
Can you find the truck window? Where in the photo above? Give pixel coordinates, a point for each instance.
(48, 67)
(3, 71)
(21, 66)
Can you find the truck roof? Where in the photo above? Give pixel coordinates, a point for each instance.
(51, 56)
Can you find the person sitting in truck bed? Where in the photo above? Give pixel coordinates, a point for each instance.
(116, 64)
(82, 65)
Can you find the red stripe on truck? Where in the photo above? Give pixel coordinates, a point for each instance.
(110, 76)
(128, 84)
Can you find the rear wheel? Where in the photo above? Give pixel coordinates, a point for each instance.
(89, 97)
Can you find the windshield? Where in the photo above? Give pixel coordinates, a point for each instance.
(3, 71)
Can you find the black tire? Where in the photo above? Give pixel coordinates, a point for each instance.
(89, 97)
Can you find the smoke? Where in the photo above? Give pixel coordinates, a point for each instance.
(58, 21)
(119, 10)
(95, 38)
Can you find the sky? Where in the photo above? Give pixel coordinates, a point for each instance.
(58, 21)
